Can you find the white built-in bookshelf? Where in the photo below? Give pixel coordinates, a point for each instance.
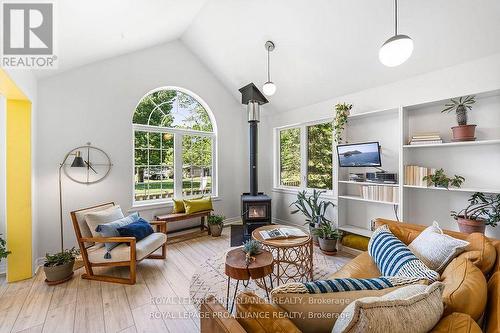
(478, 161)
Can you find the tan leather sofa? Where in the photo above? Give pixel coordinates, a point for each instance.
(471, 295)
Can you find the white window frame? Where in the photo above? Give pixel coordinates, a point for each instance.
(178, 134)
(303, 157)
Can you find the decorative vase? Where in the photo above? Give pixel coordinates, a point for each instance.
(328, 245)
(59, 273)
(464, 133)
(470, 226)
(216, 229)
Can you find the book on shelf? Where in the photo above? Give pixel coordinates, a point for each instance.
(425, 138)
(379, 193)
(280, 233)
(414, 175)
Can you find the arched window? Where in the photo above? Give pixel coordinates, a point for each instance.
(174, 146)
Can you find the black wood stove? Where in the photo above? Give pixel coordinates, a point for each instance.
(255, 205)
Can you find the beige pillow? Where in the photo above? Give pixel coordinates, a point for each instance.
(435, 248)
(107, 215)
(415, 308)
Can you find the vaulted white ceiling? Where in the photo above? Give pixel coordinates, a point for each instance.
(324, 48)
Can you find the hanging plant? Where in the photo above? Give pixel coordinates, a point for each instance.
(342, 111)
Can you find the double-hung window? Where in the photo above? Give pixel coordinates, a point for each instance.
(174, 147)
(305, 157)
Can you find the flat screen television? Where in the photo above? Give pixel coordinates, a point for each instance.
(366, 154)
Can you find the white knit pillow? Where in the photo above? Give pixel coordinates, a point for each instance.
(415, 308)
(435, 248)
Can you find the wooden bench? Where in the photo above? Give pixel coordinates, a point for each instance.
(175, 217)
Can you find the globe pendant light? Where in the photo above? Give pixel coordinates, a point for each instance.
(269, 88)
(397, 49)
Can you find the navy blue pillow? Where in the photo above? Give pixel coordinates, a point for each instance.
(139, 229)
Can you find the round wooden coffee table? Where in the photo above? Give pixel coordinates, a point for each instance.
(237, 268)
(293, 257)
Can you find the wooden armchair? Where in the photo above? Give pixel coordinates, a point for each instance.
(127, 254)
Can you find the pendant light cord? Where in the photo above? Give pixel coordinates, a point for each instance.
(395, 17)
(268, 66)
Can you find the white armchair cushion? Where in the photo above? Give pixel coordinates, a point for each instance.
(143, 248)
(104, 216)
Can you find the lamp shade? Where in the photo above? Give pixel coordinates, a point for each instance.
(396, 50)
(78, 161)
(269, 88)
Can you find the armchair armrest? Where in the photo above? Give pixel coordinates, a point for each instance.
(161, 225)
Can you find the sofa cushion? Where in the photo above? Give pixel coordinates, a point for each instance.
(361, 267)
(111, 229)
(122, 252)
(82, 224)
(465, 288)
(457, 323)
(393, 257)
(198, 205)
(93, 219)
(139, 229)
(493, 315)
(394, 312)
(257, 316)
(480, 252)
(435, 248)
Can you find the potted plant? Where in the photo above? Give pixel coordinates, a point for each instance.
(482, 210)
(462, 132)
(342, 111)
(313, 209)
(439, 179)
(216, 223)
(328, 236)
(3, 249)
(58, 267)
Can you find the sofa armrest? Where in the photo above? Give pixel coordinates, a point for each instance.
(456, 323)
(214, 318)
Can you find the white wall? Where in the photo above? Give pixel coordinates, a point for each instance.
(95, 103)
(475, 76)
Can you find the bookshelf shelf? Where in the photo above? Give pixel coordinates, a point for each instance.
(455, 144)
(356, 230)
(452, 189)
(367, 183)
(358, 198)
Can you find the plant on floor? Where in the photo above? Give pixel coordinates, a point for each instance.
(313, 209)
(3, 250)
(328, 236)
(462, 132)
(342, 111)
(482, 210)
(439, 179)
(216, 223)
(251, 248)
(59, 266)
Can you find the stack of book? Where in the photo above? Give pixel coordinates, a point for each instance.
(379, 193)
(425, 139)
(414, 175)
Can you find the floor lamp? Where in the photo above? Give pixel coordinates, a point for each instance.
(77, 163)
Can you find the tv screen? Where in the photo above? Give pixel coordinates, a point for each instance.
(359, 155)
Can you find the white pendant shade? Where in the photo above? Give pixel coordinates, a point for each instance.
(396, 50)
(269, 88)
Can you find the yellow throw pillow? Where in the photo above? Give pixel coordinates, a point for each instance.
(197, 205)
(178, 206)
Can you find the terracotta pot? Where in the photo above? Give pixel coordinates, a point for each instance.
(58, 273)
(216, 229)
(328, 245)
(470, 226)
(313, 235)
(464, 132)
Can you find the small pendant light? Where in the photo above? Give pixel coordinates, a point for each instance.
(397, 49)
(269, 88)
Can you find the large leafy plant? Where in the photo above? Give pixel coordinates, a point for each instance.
(327, 231)
(341, 114)
(481, 207)
(440, 179)
(3, 249)
(216, 219)
(61, 258)
(460, 106)
(313, 208)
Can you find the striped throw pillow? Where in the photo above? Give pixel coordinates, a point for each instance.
(393, 258)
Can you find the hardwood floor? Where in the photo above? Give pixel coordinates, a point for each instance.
(95, 307)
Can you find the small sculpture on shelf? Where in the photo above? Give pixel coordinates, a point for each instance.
(462, 132)
(439, 179)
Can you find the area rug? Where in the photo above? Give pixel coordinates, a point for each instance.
(209, 279)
